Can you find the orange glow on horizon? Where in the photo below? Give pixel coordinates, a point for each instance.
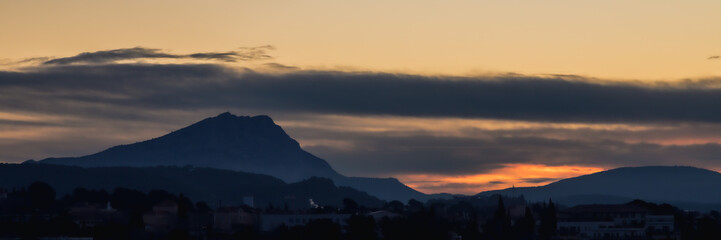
(519, 175)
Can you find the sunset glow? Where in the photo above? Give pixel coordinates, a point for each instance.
(454, 96)
(509, 175)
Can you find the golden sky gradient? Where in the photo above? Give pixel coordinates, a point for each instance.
(660, 40)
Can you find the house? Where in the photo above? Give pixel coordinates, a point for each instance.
(615, 221)
(91, 215)
(231, 219)
(270, 222)
(381, 214)
(3, 194)
(66, 238)
(162, 218)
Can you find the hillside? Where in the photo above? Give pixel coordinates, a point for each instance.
(684, 186)
(200, 184)
(240, 143)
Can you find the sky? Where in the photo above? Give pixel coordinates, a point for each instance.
(447, 96)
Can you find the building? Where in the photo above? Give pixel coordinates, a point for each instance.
(3, 194)
(231, 219)
(270, 222)
(91, 215)
(162, 218)
(620, 221)
(66, 238)
(249, 201)
(380, 215)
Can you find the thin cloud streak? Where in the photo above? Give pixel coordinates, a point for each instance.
(107, 56)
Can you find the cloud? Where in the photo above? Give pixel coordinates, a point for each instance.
(100, 57)
(245, 54)
(112, 55)
(454, 187)
(527, 98)
(281, 66)
(458, 185)
(417, 152)
(157, 98)
(714, 57)
(538, 180)
(382, 155)
(24, 61)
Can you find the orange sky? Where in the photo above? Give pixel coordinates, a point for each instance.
(510, 175)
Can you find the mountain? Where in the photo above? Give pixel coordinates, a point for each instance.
(689, 187)
(200, 184)
(247, 144)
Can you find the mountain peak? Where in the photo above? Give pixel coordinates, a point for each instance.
(229, 118)
(244, 143)
(225, 115)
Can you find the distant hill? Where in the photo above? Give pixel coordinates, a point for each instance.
(247, 144)
(200, 184)
(689, 187)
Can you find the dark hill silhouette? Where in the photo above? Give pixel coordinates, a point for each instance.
(248, 144)
(684, 186)
(200, 184)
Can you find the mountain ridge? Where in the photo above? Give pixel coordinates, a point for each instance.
(241, 143)
(200, 184)
(682, 185)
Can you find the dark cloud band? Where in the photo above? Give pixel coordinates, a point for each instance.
(139, 94)
(184, 87)
(379, 155)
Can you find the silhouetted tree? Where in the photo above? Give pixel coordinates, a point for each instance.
(42, 196)
(349, 205)
(524, 229)
(547, 228)
(178, 234)
(184, 206)
(415, 206)
(685, 224)
(322, 229)
(156, 196)
(202, 207)
(499, 226)
(361, 228)
(89, 196)
(134, 202)
(394, 206)
(708, 228)
(418, 225)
